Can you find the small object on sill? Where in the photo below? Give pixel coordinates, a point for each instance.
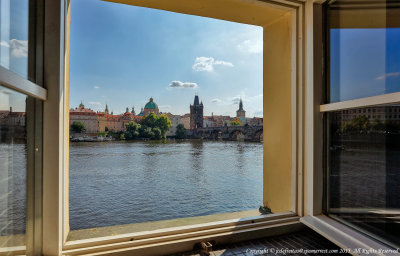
(206, 248)
(264, 210)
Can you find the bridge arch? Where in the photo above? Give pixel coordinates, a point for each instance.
(237, 135)
(258, 136)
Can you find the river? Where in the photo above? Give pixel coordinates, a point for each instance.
(115, 183)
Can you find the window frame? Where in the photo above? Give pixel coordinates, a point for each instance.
(55, 146)
(32, 87)
(337, 231)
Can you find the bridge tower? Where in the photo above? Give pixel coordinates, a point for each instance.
(240, 113)
(196, 114)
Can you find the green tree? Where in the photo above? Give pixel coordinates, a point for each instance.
(236, 122)
(157, 133)
(180, 132)
(132, 130)
(163, 123)
(78, 127)
(122, 137)
(146, 132)
(106, 129)
(150, 120)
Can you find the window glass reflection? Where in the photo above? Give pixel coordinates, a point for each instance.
(13, 161)
(14, 36)
(364, 169)
(364, 52)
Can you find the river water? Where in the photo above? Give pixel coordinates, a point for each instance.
(115, 183)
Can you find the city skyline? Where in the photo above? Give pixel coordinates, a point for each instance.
(235, 106)
(134, 53)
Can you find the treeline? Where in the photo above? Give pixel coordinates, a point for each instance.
(362, 124)
(150, 127)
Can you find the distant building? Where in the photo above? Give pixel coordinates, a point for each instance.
(208, 121)
(96, 122)
(240, 113)
(175, 120)
(150, 106)
(86, 116)
(196, 114)
(386, 114)
(185, 120)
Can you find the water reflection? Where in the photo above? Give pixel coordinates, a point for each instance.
(129, 182)
(13, 161)
(364, 168)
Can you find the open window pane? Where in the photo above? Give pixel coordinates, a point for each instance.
(13, 164)
(364, 169)
(203, 75)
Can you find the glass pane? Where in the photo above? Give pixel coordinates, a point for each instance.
(364, 51)
(13, 162)
(364, 169)
(14, 36)
(127, 168)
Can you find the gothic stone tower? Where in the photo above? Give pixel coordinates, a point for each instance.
(240, 113)
(196, 114)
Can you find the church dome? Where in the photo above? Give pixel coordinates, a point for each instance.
(151, 104)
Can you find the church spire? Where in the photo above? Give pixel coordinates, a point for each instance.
(106, 111)
(241, 104)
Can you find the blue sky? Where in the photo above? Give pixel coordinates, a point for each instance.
(123, 55)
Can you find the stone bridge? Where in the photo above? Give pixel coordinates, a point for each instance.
(235, 133)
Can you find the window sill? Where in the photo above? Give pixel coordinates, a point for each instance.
(12, 245)
(344, 236)
(177, 239)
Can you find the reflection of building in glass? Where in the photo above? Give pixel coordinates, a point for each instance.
(12, 124)
(196, 114)
(387, 114)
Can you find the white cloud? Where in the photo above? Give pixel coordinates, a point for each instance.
(208, 63)
(95, 103)
(96, 87)
(394, 74)
(179, 84)
(251, 46)
(19, 48)
(216, 100)
(4, 44)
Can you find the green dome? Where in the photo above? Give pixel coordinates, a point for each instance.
(151, 104)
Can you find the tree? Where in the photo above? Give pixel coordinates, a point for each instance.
(236, 122)
(150, 120)
(132, 130)
(180, 132)
(106, 129)
(146, 132)
(157, 133)
(163, 123)
(78, 127)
